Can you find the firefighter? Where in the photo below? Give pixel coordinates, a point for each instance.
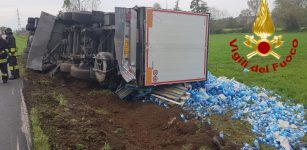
(13, 64)
(3, 59)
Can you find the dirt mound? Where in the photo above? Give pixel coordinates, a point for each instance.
(79, 115)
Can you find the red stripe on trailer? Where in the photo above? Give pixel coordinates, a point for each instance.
(206, 46)
(177, 81)
(181, 12)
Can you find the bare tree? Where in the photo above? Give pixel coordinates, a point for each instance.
(156, 6)
(291, 14)
(2, 29)
(217, 14)
(95, 4)
(176, 8)
(80, 5)
(199, 6)
(246, 20)
(253, 6)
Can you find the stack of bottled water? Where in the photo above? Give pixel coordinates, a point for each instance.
(276, 123)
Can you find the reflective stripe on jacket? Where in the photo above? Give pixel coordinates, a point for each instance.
(3, 61)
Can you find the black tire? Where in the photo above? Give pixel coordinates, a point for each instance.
(66, 16)
(82, 17)
(31, 20)
(65, 67)
(109, 19)
(30, 27)
(98, 17)
(80, 73)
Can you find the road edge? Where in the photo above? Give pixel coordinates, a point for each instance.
(25, 121)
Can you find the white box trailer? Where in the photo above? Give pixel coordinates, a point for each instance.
(177, 47)
(172, 46)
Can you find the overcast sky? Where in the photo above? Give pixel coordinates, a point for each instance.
(8, 10)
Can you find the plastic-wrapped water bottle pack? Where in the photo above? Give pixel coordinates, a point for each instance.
(276, 123)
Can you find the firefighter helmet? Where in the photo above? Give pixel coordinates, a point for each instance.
(8, 31)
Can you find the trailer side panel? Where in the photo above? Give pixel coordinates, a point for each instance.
(177, 46)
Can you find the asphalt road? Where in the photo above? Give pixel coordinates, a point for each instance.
(14, 127)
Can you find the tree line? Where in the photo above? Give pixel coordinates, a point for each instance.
(288, 15)
(198, 6)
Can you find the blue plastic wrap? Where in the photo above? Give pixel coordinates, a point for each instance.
(276, 123)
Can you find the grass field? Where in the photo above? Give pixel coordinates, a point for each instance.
(290, 82)
(21, 42)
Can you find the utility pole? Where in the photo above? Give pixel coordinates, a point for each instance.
(18, 20)
(166, 4)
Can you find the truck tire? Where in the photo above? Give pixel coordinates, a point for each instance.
(65, 67)
(82, 17)
(66, 16)
(98, 17)
(80, 73)
(30, 27)
(31, 20)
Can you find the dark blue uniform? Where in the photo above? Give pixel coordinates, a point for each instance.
(3, 59)
(12, 60)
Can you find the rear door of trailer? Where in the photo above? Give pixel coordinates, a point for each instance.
(176, 47)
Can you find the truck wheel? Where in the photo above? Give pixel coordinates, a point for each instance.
(31, 20)
(30, 27)
(65, 67)
(80, 73)
(66, 16)
(98, 16)
(82, 17)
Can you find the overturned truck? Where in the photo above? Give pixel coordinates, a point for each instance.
(139, 51)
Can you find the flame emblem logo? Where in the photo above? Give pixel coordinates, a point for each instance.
(263, 28)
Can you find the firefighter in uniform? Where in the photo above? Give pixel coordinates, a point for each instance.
(13, 64)
(3, 59)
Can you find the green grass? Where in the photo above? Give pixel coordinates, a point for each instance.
(80, 146)
(21, 42)
(204, 148)
(289, 82)
(60, 98)
(106, 147)
(186, 147)
(40, 139)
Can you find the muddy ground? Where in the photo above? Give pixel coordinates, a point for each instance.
(78, 114)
